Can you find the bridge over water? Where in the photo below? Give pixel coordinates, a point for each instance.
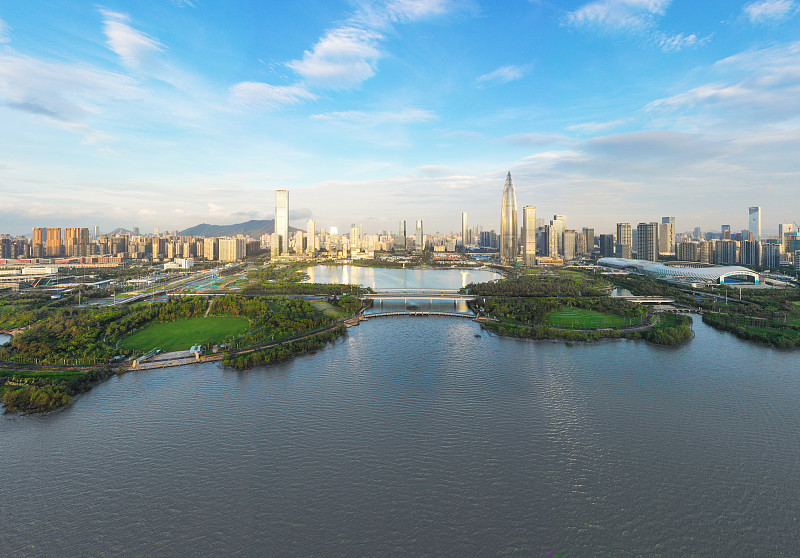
(402, 294)
(419, 313)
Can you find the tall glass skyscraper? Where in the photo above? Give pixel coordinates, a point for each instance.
(282, 218)
(755, 223)
(508, 224)
(529, 235)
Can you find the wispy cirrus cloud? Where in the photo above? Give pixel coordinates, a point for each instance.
(595, 127)
(264, 96)
(4, 32)
(633, 17)
(619, 15)
(135, 49)
(504, 74)
(404, 116)
(759, 85)
(770, 12)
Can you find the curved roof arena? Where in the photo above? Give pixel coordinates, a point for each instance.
(717, 273)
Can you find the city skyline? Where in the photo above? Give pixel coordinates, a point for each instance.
(178, 113)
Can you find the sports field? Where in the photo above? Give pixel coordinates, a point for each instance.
(587, 319)
(180, 335)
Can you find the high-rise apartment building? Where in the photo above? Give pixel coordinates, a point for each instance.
(232, 249)
(754, 223)
(465, 236)
(647, 241)
(508, 224)
(750, 252)
(529, 235)
(281, 220)
(53, 242)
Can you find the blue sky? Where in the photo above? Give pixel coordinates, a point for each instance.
(170, 113)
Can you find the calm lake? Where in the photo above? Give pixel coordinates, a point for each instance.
(422, 436)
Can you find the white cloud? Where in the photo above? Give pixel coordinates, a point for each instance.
(534, 139)
(770, 12)
(136, 49)
(409, 10)
(405, 116)
(63, 93)
(674, 43)
(504, 74)
(758, 86)
(269, 97)
(637, 17)
(594, 127)
(619, 15)
(342, 59)
(4, 29)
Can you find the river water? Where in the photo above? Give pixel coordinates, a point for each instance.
(422, 436)
(381, 278)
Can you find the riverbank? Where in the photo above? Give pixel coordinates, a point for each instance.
(669, 330)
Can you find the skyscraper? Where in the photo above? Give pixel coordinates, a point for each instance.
(310, 237)
(281, 219)
(53, 241)
(529, 235)
(666, 235)
(560, 223)
(419, 244)
(465, 239)
(647, 241)
(624, 247)
(508, 224)
(754, 223)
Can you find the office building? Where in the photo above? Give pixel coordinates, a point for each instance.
(754, 223)
(606, 245)
(588, 235)
(281, 221)
(647, 241)
(568, 245)
(311, 234)
(624, 248)
(420, 246)
(529, 235)
(465, 236)
(666, 236)
(508, 224)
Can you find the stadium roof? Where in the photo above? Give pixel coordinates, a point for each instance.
(716, 273)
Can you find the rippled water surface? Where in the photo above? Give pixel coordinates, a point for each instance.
(414, 436)
(384, 278)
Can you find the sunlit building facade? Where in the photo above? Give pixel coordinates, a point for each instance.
(508, 224)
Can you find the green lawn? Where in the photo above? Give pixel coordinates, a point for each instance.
(180, 335)
(577, 317)
(329, 309)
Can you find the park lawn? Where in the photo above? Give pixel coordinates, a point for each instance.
(329, 309)
(586, 319)
(180, 335)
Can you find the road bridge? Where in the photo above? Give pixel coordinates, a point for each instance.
(418, 313)
(402, 294)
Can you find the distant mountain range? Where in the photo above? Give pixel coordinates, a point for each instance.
(254, 228)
